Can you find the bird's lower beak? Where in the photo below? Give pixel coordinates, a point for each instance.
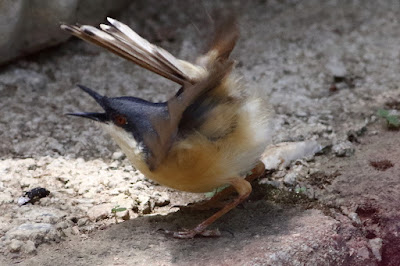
(99, 117)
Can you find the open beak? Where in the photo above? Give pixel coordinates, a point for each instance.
(99, 117)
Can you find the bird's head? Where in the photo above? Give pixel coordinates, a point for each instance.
(127, 119)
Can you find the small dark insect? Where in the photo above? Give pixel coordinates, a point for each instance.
(33, 195)
(381, 165)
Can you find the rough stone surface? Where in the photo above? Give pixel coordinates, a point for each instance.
(376, 247)
(343, 149)
(29, 247)
(30, 25)
(99, 212)
(31, 231)
(326, 68)
(15, 245)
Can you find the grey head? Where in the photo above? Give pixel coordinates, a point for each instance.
(133, 115)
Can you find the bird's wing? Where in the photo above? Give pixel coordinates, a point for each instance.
(167, 127)
(123, 41)
(226, 33)
(218, 66)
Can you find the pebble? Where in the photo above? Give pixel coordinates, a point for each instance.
(161, 199)
(118, 155)
(376, 247)
(354, 217)
(363, 253)
(6, 197)
(129, 202)
(82, 221)
(15, 245)
(336, 67)
(282, 154)
(290, 178)
(62, 225)
(293, 175)
(124, 215)
(29, 247)
(75, 230)
(273, 183)
(99, 212)
(115, 191)
(343, 149)
(145, 204)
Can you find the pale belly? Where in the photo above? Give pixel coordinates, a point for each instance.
(197, 164)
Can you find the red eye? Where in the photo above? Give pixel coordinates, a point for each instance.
(120, 120)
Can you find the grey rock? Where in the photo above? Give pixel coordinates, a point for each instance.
(376, 247)
(75, 230)
(118, 155)
(343, 149)
(161, 199)
(6, 197)
(29, 247)
(336, 67)
(83, 221)
(363, 253)
(100, 212)
(294, 174)
(282, 154)
(42, 214)
(354, 217)
(62, 225)
(15, 245)
(124, 215)
(290, 178)
(31, 25)
(33, 231)
(147, 203)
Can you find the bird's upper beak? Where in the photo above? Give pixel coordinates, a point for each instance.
(101, 100)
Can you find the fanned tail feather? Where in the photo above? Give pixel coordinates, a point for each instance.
(123, 41)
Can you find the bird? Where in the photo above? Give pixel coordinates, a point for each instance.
(210, 133)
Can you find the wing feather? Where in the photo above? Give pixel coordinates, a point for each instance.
(167, 128)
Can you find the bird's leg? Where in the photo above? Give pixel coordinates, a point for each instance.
(257, 171)
(216, 200)
(243, 187)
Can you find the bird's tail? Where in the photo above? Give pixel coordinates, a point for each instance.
(123, 41)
